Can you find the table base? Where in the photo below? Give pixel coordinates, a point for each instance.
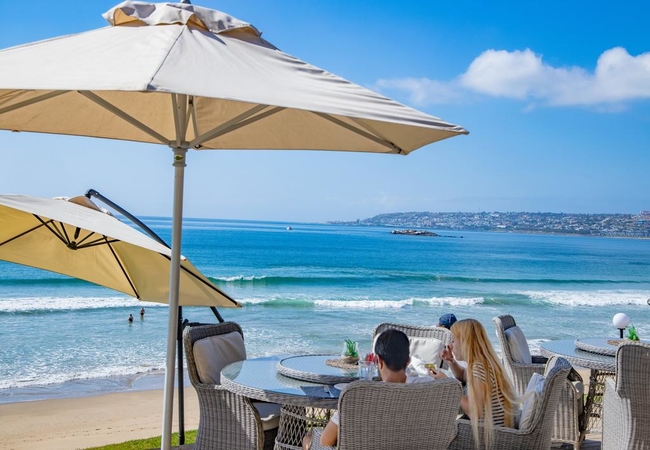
(295, 422)
(593, 415)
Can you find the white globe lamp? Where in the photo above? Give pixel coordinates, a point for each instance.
(621, 321)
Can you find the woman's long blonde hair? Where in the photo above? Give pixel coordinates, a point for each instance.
(476, 348)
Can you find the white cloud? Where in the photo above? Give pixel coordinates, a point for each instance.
(523, 75)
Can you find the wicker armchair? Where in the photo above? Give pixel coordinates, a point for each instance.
(389, 416)
(538, 434)
(569, 421)
(417, 333)
(626, 413)
(227, 421)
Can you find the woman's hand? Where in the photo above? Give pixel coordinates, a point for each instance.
(447, 355)
(437, 374)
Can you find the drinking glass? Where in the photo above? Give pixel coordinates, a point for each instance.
(366, 370)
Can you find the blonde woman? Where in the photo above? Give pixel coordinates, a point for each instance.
(490, 398)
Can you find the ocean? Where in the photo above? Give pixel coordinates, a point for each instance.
(307, 289)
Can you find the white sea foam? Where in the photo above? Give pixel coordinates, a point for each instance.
(26, 304)
(43, 379)
(589, 298)
(453, 301)
(240, 278)
(396, 304)
(534, 346)
(255, 300)
(364, 304)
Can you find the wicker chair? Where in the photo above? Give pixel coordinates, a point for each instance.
(227, 421)
(538, 434)
(389, 416)
(626, 413)
(569, 421)
(416, 333)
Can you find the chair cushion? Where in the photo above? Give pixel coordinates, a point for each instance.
(422, 348)
(518, 345)
(426, 349)
(269, 414)
(532, 398)
(215, 352)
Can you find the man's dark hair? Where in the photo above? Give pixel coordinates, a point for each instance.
(392, 347)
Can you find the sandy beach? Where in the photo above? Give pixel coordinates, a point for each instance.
(79, 423)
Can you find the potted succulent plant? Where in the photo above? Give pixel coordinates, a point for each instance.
(632, 334)
(350, 352)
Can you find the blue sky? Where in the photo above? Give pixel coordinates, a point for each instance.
(556, 97)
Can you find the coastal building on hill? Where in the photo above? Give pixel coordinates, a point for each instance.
(623, 225)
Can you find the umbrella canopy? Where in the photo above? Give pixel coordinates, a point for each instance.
(78, 239)
(242, 91)
(193, 78)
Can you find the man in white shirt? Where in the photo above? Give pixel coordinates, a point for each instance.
(392, 350)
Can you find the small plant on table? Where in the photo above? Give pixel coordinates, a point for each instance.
(632, 334)
(350, 352)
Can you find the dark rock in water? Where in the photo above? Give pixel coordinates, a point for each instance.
(415, 233)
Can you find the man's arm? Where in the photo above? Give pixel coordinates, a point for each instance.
(330, 434)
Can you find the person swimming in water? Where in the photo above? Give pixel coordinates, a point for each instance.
(130, 317)
(141, 312)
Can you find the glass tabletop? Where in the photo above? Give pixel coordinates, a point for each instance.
(566, 348)
(259, 378)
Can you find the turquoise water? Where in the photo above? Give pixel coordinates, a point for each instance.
(308, 289)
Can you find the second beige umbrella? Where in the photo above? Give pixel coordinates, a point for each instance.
(76, 238)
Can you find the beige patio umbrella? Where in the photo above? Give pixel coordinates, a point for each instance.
(76, 238)
(189, 77)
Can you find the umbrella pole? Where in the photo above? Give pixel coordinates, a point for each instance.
(181, 392)
(216, 313)
(174, 282)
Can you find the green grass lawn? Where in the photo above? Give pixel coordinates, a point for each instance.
(147, 444)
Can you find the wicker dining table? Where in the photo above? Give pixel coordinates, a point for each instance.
(596, 354)
(306, 403)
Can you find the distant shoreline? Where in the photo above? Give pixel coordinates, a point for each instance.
(633, 226)
(457, 230)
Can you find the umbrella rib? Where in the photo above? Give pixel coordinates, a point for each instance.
(226, 125)
(119, 263)
(246, 122)
(180, 114)
(123, 115)
(31, 101)
(193, 114)
(101, 241)
(86, 238)
(65, 233)
(22, 234)
(53, 229)
(360, 132)
(208, 284)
